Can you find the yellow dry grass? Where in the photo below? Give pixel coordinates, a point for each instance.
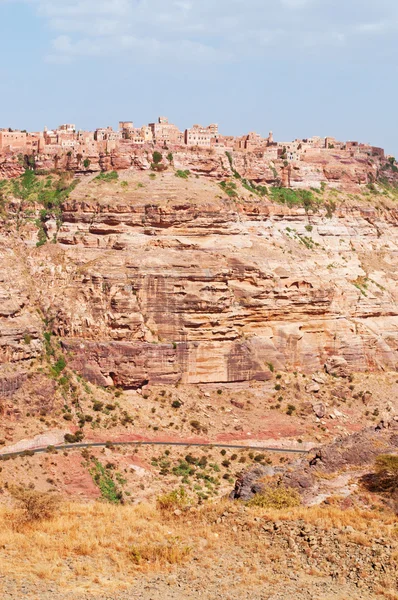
(91, 541)
(85, 545)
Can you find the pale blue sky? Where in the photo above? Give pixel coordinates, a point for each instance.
(298, 67)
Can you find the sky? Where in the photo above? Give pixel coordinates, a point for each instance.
(296, 67)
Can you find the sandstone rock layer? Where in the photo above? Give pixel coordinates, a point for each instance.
(168, 280)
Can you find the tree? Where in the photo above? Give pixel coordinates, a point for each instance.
(157, 157)
(86, 163)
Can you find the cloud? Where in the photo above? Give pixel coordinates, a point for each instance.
(208, 31)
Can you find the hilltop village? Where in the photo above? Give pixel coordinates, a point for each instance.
(67, 139)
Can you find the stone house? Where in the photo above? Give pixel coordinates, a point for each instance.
(201, 136)
(13, 140)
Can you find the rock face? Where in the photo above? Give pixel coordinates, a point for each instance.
(166, 280)
(355, 451)
(250, 483)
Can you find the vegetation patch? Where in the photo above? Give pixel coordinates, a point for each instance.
(174, 500)
(103, 479)
(278, 497)
(291, 198)
(229, 188)
(33, 505)
(108, 177)
(183, 174)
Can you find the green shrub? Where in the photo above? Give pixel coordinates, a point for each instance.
(229, 188)
(58, 367)
(182, 174)
(71, 438)
(157, 157)
(108, 177)
(86, 163)
(104, 480)
(292, 198)
(290, 409)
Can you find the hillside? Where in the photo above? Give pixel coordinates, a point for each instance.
(169, 306)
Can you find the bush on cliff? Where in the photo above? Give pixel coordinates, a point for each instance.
(229, 188)
(157, 157)
(292, 198)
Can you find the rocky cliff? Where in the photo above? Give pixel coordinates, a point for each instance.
(163, 279)
(341, 169)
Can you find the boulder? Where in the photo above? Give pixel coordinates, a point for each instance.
(312, 388)
(250, 483)
(319, 409)
(337, 366)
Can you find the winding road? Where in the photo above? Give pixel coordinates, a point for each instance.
(139, 443)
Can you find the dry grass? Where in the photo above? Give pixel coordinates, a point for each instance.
(93, 540)
(328, 517)
(102, 544)
(33, 505)
(276, 497)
